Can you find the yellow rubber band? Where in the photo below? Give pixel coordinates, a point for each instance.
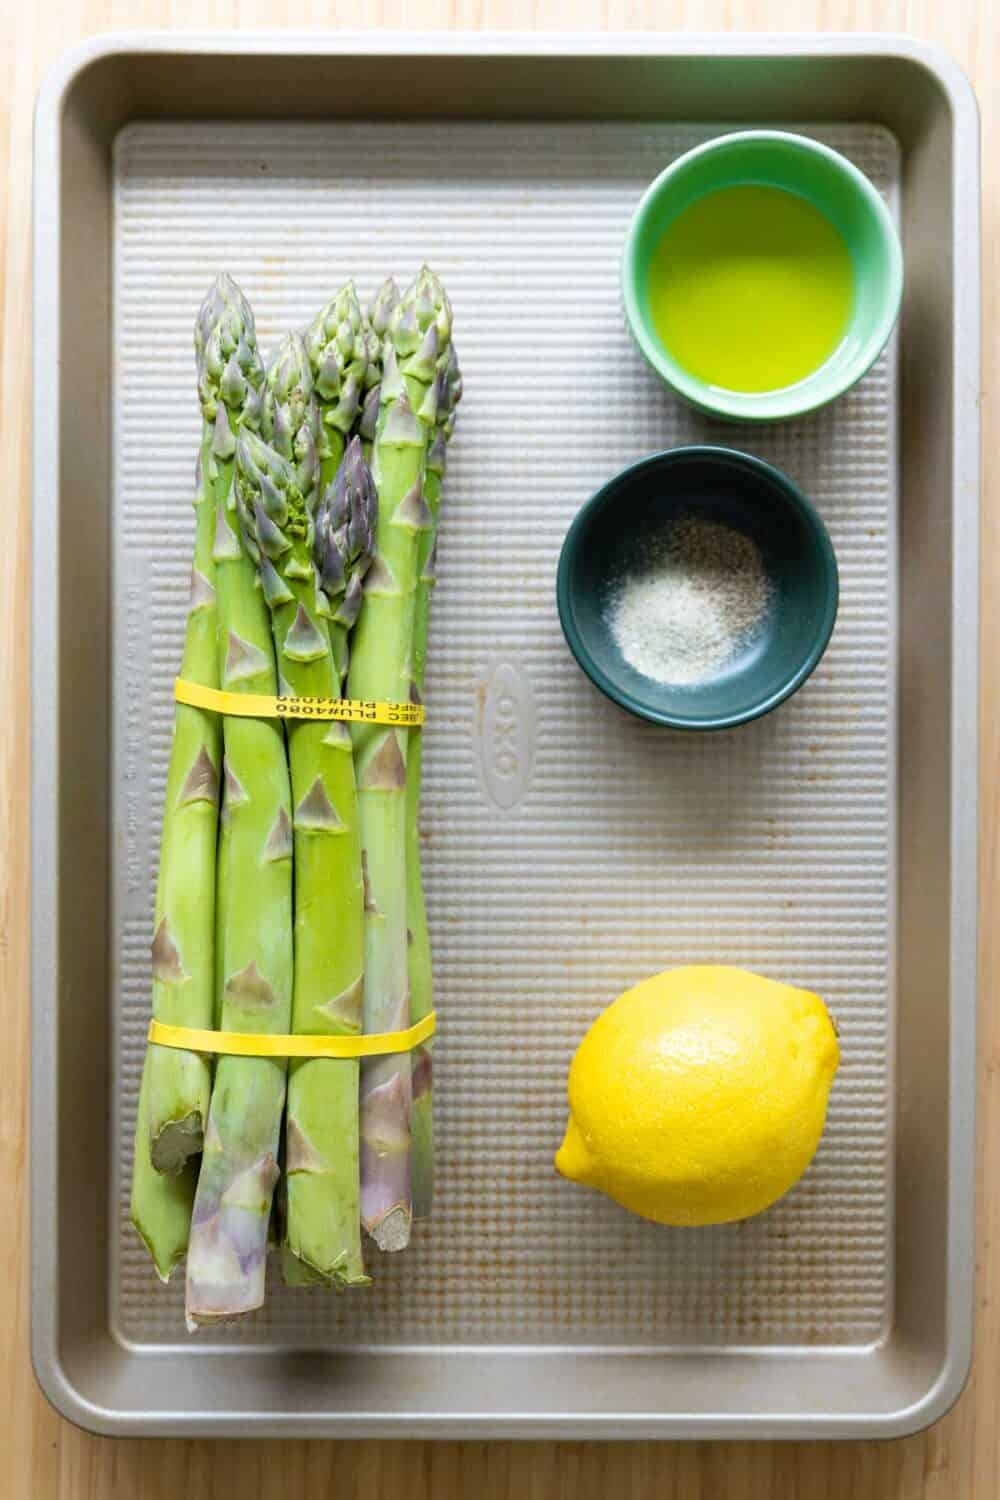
(256, 1044)
(260, 706)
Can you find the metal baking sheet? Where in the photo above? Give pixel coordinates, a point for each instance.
(554, 879)
(569, 849)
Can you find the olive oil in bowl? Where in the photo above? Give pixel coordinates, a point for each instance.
(751, 288)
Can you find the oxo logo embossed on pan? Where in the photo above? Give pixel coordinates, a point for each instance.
(506, 733)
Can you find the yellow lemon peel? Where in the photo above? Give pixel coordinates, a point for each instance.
(699, 1096)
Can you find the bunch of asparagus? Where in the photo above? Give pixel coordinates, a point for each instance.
(289, 895)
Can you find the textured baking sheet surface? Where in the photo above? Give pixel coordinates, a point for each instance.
(569, 849)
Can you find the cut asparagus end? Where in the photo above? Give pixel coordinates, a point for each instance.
(227, 1255)
(385, 1154)
(295, 1271)
(392, 1232)
(163, 1269)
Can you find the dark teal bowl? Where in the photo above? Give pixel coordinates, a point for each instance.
(735, 490)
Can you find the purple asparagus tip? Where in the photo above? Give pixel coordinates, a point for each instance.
(345, 525)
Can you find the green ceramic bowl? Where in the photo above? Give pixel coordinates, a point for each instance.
(607, 538)
(827, 180)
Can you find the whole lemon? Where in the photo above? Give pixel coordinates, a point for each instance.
(700, 1095)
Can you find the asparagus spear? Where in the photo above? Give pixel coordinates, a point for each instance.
(322, 1236)
(183, 951)
(381, 664)
(228, 1243)
(337, 352)
(421, 979)
(163, 1173)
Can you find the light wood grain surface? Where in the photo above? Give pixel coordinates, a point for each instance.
(41, 1456)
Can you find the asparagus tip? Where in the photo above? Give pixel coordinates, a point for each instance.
(344, 540)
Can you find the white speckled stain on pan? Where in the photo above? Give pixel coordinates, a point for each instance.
(570, 850)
